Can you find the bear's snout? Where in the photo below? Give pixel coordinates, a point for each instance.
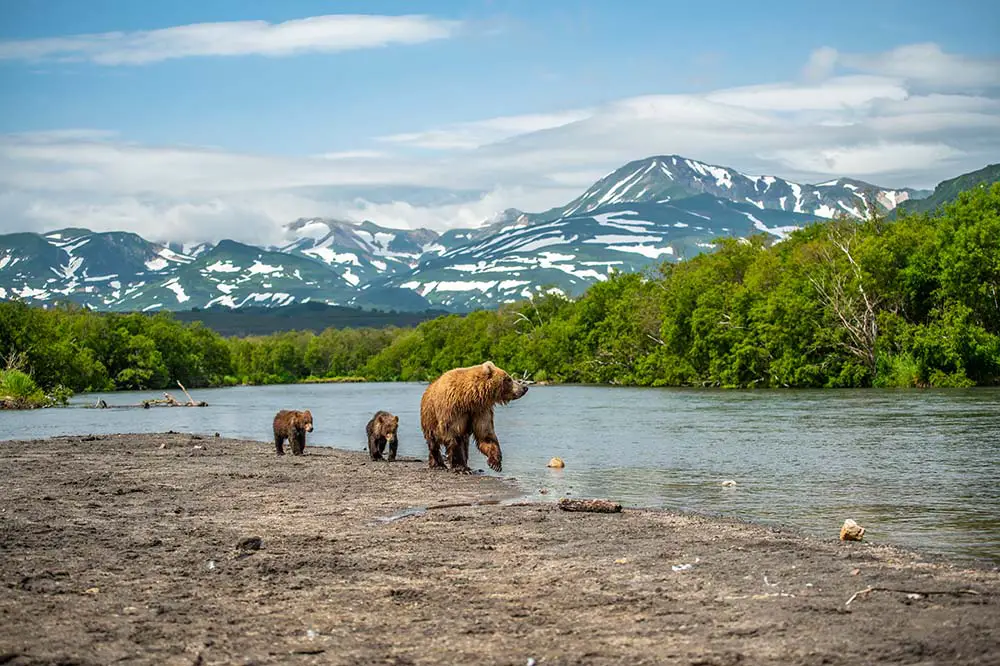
(309, 427)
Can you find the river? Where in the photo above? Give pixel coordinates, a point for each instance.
(917, 468)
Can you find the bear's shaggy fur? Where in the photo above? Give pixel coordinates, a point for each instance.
(292, 425)
(381, 430)
(460, 403)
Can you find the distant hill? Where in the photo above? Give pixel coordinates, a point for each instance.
(313, 316)
(948, 190)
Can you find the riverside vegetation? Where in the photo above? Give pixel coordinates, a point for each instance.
(908, 302)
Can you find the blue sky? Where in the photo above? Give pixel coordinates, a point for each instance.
(496, 97)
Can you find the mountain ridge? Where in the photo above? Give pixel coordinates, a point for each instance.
(659, 208)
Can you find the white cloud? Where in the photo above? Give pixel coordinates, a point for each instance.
(483, 132)
(922, 64)
(867, 160)
(821, 64)
(885, 129)
(323, 34)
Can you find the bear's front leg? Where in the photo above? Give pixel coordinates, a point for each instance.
(494, 456)
(392, 448)
(279, 441)
(457, 459)
(299, 443)
(374, 450)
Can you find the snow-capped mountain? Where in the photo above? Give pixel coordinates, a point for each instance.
(672, 177)
(649, 211)
(569, 253)
(97, 269)
(358, 252)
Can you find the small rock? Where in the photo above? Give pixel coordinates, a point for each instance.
(543, 491)
(163, 445)
(197, 447)
(531, 662)
(855, 572)
(556, 463)
(851, 531)
(728, 483)
(92, 590)
(216, 435)
(250, 543)
(211, 565)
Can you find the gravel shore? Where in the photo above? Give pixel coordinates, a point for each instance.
(180, 549)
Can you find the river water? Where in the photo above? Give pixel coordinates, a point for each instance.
(917, 468)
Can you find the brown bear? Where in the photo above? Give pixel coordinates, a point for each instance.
(460, 403)
(292, 425)
(381, 430)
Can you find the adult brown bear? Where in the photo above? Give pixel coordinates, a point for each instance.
(292, 425)
(382, 429)
(460, 403)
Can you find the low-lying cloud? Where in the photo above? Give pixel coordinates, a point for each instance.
(863, 116)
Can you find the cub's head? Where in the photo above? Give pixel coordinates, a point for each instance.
(304, 421)
(505, 387)
(392, 425)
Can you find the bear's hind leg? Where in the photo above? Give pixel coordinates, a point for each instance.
(434, 459)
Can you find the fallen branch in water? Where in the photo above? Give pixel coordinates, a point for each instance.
(915, 593)
(589, 505)
(191, 402)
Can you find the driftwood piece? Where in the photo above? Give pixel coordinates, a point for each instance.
(191, 401)
(589, 505)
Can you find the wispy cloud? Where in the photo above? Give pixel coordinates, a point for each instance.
(480, 133)
(889, 130)
(322, 34)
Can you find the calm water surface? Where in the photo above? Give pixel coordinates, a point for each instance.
(916, 468)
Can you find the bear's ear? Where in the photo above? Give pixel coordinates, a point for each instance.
(488, 368)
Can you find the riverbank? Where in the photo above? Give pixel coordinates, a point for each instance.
(173, 549)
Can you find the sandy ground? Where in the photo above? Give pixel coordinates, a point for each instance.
(126, 549)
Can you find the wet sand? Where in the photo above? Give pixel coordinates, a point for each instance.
(167, 549)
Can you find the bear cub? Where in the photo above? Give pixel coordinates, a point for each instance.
(382, 430)
(292, 425)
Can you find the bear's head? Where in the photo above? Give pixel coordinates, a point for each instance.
(304, 421)
(505, 388)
